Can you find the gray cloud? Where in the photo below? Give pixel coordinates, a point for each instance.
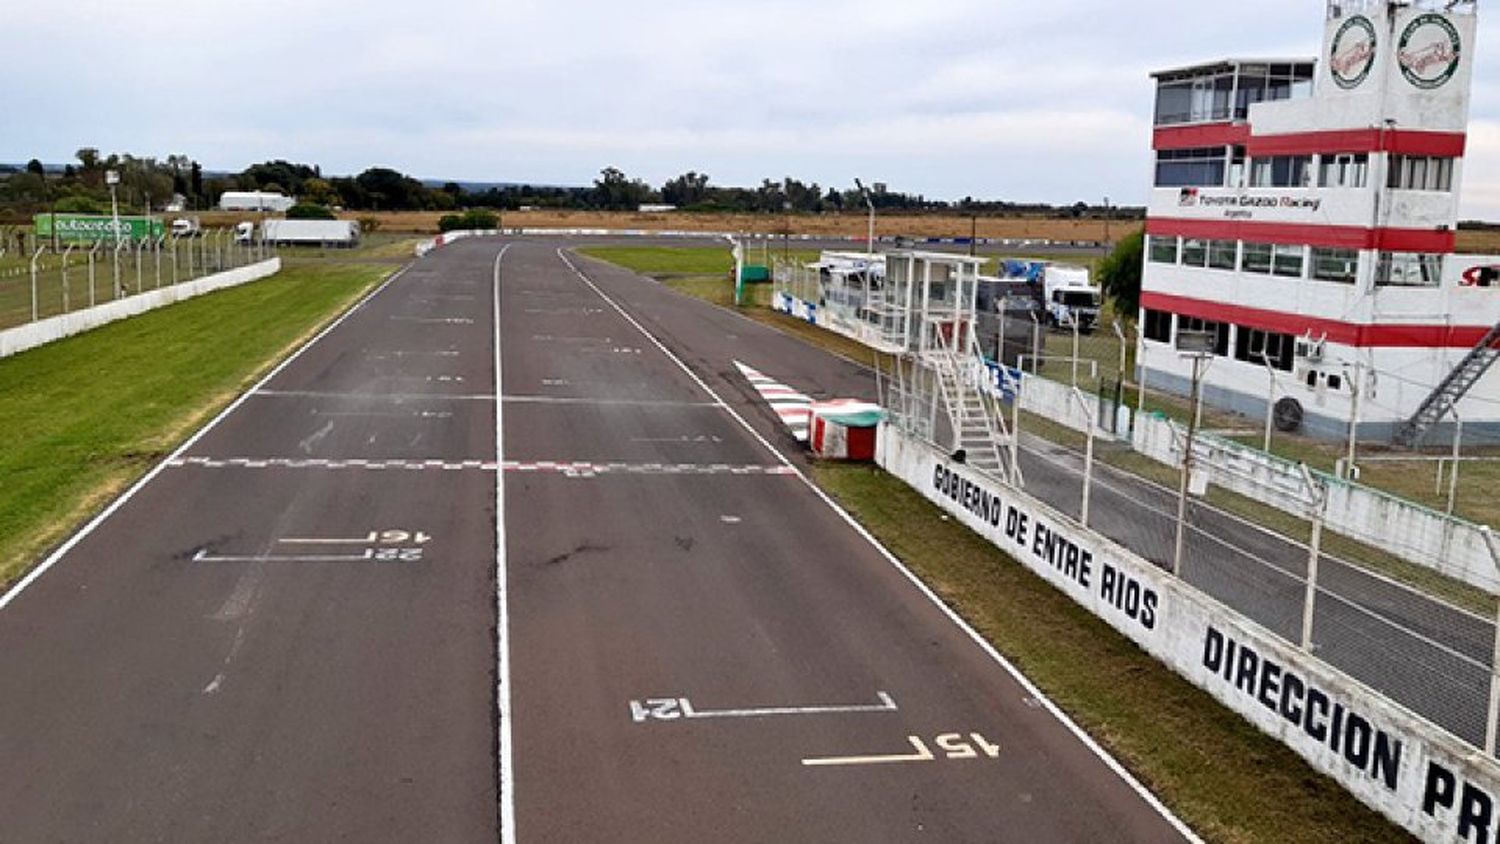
(950, 98)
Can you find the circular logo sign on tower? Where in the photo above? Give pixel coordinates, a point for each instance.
(1353, 52)
(1429, 51)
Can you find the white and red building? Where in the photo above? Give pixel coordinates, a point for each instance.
(1305, 212)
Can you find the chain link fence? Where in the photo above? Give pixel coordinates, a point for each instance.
(1425, 640)
(41, 279)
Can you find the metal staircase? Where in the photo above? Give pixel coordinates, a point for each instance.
(975, 415)
(1453, 388)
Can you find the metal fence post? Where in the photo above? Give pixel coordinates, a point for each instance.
(156, 253)
(116, 264)
(1036, 341)
(1494, 708)
(1088, 458)
(34, 258)
(1458, 438)
(1075, 352)
(139, 245)
(93, 253)
(65, 291)
(1319, 494)
(1270, 403)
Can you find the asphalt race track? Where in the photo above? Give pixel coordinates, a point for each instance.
(315, 623)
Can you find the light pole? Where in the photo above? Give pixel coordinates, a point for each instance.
(1106, 221)
(870, 233)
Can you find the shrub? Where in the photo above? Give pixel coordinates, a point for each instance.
(475, 218)
(304, 211)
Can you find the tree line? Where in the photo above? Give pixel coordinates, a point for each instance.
(151, 182)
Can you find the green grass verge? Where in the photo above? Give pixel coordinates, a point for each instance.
(85, 416)
(1226, 779)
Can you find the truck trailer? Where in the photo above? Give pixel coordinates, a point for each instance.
(339, 233)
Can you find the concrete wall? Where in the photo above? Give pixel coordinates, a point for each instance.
(31, 335)
(1419, 535)
(1414, 773)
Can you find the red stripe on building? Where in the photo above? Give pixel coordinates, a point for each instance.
(1334, 237)
(1200, 135)
(1399, 141)
(1344, 333)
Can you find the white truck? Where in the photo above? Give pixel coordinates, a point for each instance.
(1070, 299)
(341, 233)
(186, 227)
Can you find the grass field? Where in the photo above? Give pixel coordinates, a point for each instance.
(87, 415)
(1230, 782)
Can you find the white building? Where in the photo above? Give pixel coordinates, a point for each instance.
(1305, 211)
(254, 200)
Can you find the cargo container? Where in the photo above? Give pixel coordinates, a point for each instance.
(342, 233)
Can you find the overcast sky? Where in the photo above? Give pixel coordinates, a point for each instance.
(991, 98)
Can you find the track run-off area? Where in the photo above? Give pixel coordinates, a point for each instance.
(503, 554)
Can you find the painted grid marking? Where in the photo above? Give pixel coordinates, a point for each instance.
(577, 469)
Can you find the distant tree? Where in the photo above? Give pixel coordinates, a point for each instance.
(1120, 273)
(691, 188)
(318, 192)
(68, 171)
(614, 191)
(88, 157)
(195, 184)
(79, 204)
(308, 211)
(35, 168)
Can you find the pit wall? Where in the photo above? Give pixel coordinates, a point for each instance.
(41, 332)
(1414, 773)
(1434, 540)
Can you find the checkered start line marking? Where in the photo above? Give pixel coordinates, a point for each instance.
(574, 469)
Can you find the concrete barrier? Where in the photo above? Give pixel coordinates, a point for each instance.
(1417, 534)
(1413, 772)
(33, 334)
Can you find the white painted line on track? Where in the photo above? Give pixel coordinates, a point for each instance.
(1031, 689)
(89, 527)
(398, 397)
(368, 556)
(664, 403)
(507, 784)
(922, 754)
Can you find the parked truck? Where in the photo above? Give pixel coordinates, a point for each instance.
(339, 233)
(1068, 299)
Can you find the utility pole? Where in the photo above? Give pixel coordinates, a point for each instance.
(1197, 345)
(112, 178)
(870, 234)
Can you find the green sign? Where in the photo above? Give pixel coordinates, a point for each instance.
(88, 228)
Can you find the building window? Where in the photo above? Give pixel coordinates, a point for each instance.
(1281, 171)
(1335, 264)
(1408, 269)
(1253, 345)
(1163, 249)
(1158, 326)
(1220, 330)
(1179, 168)
(1261, 82)
(1288, 260)
(1415, 172)
(1344, 170)
(1256, 258)
(1222, 254)
(1200, 100)
(1194, 252)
